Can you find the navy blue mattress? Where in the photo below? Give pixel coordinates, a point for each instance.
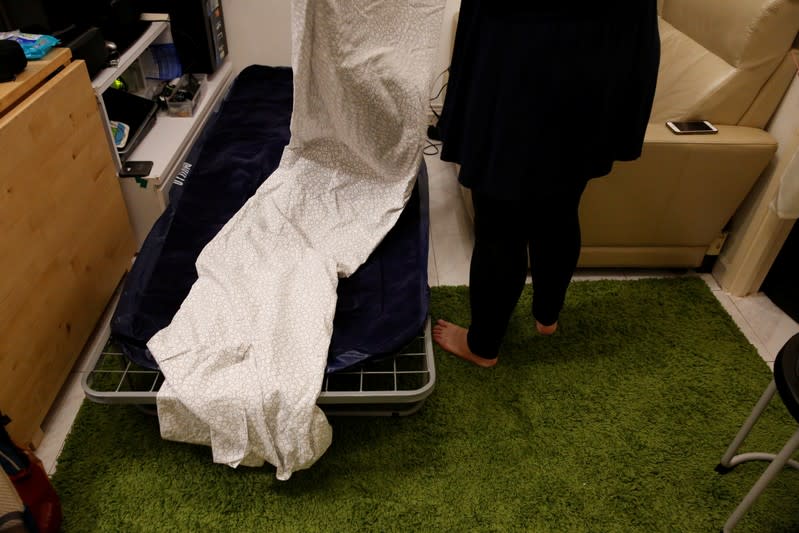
(380, 308)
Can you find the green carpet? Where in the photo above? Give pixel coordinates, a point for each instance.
(613, 424)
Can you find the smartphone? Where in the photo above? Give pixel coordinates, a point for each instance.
(135, 169)
(691, 127)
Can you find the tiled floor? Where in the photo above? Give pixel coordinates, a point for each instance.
(765, 325)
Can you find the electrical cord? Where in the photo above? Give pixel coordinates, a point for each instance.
(433, 148)
(446, 70)
(438, 94)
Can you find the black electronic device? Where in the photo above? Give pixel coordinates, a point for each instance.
(138, 113)
(83, 27)
(87, 45)
(12, 60)
(198, 29)
(690, 127)
(135, 169)
(119, 20)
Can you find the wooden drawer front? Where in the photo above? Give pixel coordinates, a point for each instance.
(65, 241)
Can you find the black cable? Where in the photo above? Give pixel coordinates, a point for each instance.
(431, 148)
(432, 130)
(438, 94)
(437, 78)
(433, 110)
(441, 90)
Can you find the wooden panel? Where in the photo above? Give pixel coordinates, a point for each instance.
(30, 78)
(66, 241)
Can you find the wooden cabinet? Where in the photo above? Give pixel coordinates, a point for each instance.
(65, 238)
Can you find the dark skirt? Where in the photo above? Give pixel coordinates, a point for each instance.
(548, 93)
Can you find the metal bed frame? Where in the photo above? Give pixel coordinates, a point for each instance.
(392, 386)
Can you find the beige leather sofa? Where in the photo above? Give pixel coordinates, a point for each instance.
(726, 61)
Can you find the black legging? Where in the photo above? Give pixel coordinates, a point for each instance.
(549, 227)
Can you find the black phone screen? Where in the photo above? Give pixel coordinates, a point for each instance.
(692, 126)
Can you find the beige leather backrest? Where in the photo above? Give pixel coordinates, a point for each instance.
(718, 56)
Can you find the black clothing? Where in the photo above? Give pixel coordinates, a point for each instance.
(542, 97)
(550, 231)
(538, 92)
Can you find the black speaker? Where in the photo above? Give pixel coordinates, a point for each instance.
(12, 60)
(118, 20)
(88, 45)
(198, 29)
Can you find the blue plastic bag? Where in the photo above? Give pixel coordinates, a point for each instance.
(35, 46)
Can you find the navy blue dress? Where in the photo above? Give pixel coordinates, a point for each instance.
(546, 92)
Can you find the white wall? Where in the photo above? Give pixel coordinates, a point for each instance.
(785, 128)
(447, 35)
(757, 234)
(259, 32)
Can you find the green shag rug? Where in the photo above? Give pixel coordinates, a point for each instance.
(613, 424)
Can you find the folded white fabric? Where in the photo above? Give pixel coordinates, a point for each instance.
(244, 358)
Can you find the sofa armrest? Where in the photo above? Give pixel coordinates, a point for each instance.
(681, 192)
(674, 172)
(660, 134)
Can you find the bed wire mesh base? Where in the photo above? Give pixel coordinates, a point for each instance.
(395, 385)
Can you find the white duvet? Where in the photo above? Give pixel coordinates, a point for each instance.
(244, 358)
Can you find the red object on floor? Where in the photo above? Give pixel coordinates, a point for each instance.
(27, 474)
(38, 495)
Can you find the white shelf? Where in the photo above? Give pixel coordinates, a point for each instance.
(170, 139)
(106, 77)
(168, 142)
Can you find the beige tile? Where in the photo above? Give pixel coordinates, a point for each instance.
(728, 304)
(452, 244)
(708, 278)
(441, 175)
(651, 273)
(452, 260)
(666, 273)
(59, 420)
(432, 271)
(657, 273)
(451, 234)
(772, 326)
(595, 274)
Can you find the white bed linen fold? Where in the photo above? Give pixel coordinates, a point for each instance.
(244, 357)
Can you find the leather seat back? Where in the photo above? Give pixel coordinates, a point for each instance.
(724, 60)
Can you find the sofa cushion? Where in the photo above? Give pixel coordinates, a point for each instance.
(717, 55)
(745, 33)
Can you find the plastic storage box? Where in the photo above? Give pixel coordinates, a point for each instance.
(185, 96)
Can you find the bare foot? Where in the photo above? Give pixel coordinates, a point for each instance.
(453, 339)
(545, 330)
